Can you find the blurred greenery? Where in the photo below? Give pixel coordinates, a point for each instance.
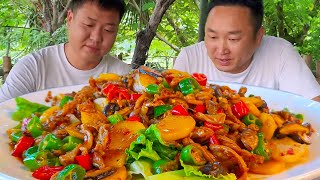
(22, 28)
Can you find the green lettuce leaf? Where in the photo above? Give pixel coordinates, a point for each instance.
(26, 108)
(142, 147)
(175, 175)
(141, 167)
(154, 134)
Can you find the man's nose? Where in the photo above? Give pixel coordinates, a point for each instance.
(96, 34)
(223, 47)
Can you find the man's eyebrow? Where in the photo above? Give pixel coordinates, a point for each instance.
(109, 24)
(211, 30)
(236, 32)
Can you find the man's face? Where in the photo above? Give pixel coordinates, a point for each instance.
(92, 31)
(230, 38)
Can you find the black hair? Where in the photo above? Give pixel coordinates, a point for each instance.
(255, 6)
(104, 4)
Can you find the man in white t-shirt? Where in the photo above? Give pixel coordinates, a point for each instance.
(236, 50)
(92, 30)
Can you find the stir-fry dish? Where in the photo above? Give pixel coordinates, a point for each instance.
(156, 125)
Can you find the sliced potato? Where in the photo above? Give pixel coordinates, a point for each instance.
(287, 150)
(269, 125)
(120, 174)
(268, 167)
(93, 118)
(123, 133)
(174, 127)
(115, 158)
(45, 117)
(108, 77)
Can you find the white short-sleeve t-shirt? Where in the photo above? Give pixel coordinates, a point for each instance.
(276, 64)
(49, 68)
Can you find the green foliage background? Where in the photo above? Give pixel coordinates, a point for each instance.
(21, 33)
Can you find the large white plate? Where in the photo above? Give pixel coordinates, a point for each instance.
(11, 168)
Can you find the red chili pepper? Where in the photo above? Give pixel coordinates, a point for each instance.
(134, 118)
(240, 109)
(134, 96)
(201, 78)
(109, 91)
(200, 108)
(84, 161)
(290, 151)
(45, 172)
(220, 110)
(169, 78)
(122, 94)
(213, 126)
(214, 140)
(179, 110)
(23, 144)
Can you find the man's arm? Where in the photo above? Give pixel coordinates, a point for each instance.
(296, 76)
(21, 80)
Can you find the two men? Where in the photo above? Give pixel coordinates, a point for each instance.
(92, 29)
(236, 50)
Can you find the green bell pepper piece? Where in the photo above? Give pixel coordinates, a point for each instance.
(165, 83)
(188, 86)
(164, 165)
(192, 155)
(39, 159)
(260, 149)
(65, 100)
(70, 142)
(115, 118)
(152, 89)
(299, 116)
(28, 152)
(159, 110)
(50, 142)
(35, 127)
(15, 136)
(252, 119)
(70, 172)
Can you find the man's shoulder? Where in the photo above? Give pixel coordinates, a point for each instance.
(44, 54)
(197, 46)
(275, 41)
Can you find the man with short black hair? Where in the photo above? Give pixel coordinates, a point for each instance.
(92, 29)
(236, 50)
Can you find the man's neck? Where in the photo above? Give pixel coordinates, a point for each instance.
(78, 62)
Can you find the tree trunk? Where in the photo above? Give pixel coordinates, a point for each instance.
(203, 18)
(145, 36)
(6, 66)
(308, 60)
(318, 69)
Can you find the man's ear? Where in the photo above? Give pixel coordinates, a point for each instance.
(259, 36)
(69, 17)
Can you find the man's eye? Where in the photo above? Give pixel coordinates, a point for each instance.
(234, 39)
(109, 30)
(89, 25)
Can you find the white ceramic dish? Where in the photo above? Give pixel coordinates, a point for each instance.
(11, 168)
